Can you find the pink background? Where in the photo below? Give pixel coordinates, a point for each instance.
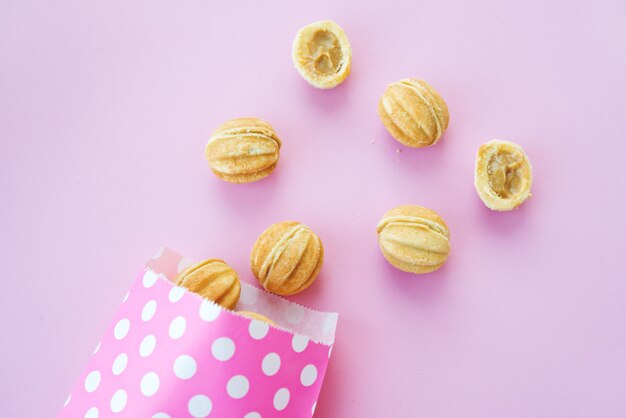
(104, 112)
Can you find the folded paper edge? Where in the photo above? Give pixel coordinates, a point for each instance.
(333, 315)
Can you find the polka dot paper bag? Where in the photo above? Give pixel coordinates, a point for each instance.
(170, 353)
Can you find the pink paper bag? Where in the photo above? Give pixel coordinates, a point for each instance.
(170, 353)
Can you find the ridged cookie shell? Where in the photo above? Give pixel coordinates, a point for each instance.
(287, 257)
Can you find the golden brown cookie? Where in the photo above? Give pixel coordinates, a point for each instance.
(503, 175)
(322, 55)
(212, 279)
(414, 239)
(243, 150)
(413, 112)
(287, 257)
(257, 316)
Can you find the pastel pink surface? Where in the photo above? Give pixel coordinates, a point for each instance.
(104, 112)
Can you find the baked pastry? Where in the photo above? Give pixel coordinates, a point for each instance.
(287, 257)
(257, 316)
(414, 239)
(413, 112)
(212, 279)
(243, 150)
(503, 175)
(322, 55)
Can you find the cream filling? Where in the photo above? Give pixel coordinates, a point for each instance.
(234, 134)
(416, 88)
(504, 171)
(412, 220)
(277, 250)
(325, 52)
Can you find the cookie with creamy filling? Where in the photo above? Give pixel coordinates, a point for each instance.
(503, 175)
(243, 150)
(322, 55)
(413, 112)
(414, 239)
(287, 257)
(212, 279)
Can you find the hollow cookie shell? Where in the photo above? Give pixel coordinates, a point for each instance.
(243, 150)
(321, 53)
(413, 112)
(503, 175)
(414, 239)
(257, 316)
(287, 257)
(212, 279)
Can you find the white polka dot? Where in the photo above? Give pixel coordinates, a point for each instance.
(176, 294)
(258, 329)
(237, 386)
(308, 376)
(161, 415)
(92, 412)
(177, 327)
(281, 399)
(253, 415)
(299, 343)
(185, 367)
(329, 324)
(67, 400)
(184, 263)
(148, 311)
(118, 401)
(147, 345)
(149, 278)
(95, 350)
(158, 254)
(249, 295)
(119, 364)
(313, 408)
(271, 364)
(150, 383)
(92, 381)
(121, 329)
(126, 297)
(209, 311)
(199, 406)
(223, 348)
(294, 314)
